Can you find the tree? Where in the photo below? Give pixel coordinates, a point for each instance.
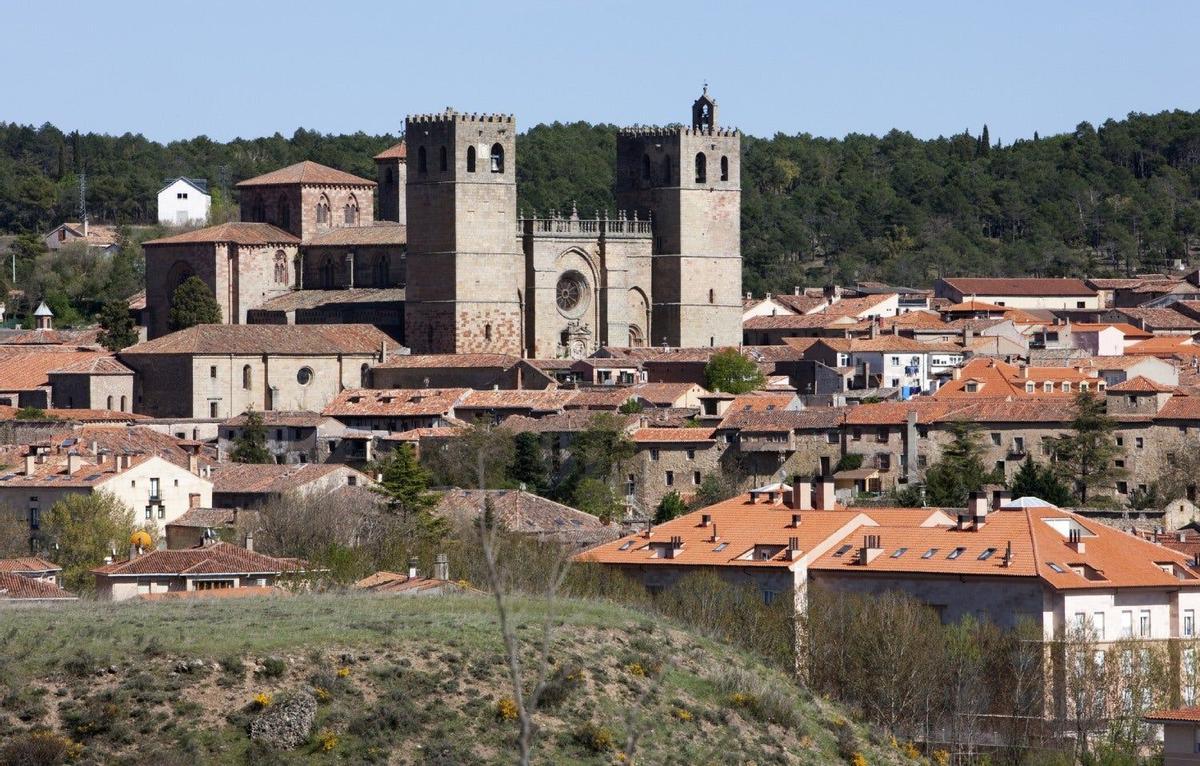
(457, 461)
(631, 407)
(1033, 480)
(730, 372)
(528, 464)
(959, 471)
(251, 444)
(82, 530)
(117, 330)
(715, 487)
(596, 452)
(31, 413)
(404, 484)
(193, 303)
(14, 532)
(1086, 454)
(597, 498)
(669, 507)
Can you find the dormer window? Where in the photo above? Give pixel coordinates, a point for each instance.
(971, 387)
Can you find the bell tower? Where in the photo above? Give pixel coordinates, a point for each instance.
(689, 181)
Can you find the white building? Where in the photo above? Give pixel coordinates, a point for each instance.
(184, 201)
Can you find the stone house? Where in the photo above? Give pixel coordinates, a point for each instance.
(292, 436)
(669, 460)
(26, 380)
(396, 409)
(478, 371)
(218, 371)
(97, 383)
(98, 238)
(244, 485)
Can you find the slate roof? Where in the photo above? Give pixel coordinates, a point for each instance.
(301, 340)
(237, 233)
(307, 172)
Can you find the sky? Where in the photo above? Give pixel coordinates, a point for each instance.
(173, 70)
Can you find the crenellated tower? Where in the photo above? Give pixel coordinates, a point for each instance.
(688, 181)
(465, 270)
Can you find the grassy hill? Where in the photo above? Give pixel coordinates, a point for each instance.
(398, 680)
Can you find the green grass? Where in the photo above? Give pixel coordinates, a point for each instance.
(420, 680)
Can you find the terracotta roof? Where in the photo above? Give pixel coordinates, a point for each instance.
(1038, 537)
(1129, 330)
(288, 418)
(526, 513)
(1140, 384)
(571, 421)
(376, 233)
(301, 340)
(392, 582)
(270, 479)
(1181, 408)
(994, 378)
(612, 397)
(1122, 362)
(307, 172)
(99, 235)
(22, 370)
(28, 565)
(237, 233)
(801, 304)
(398, 151)
(81, 338)
(1180, 715)
(18, 587)
(856, 307)
(294, 300)
(672, 435)
(971, 305)
(53, 472)
(395, 402)
(470, 361)
(1025, 286)
(927, 410)
(206, 518)
(219, 558)
(98, 365)
(121, 439)
(1113, 284)
(780, 421)
(885, 343)
(524, 399)
(1161, 318)
(820, 320)
(1164, 345)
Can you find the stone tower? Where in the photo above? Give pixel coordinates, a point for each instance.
(465, 270)
(689, 180)
(391, 170)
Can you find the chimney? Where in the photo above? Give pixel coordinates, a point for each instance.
(874, 327)
(962, 522)
(793, 548)
(705, 519)
(675, 546)
(795, 520)
(441, 567)
(74, 463)
(999, 498)
(801, 494)
(94, 447)
(134, 551)
(796, 290)
(825, 497)
(383, 351)
(1075, 541)
(1008, 554)
(715, 536)
(194, 463)
(871, 549)
(1024, 371)
(250, 541)
(412, 568)
(978, 507)
(30, 461)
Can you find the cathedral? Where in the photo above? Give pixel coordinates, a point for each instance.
(450, 267)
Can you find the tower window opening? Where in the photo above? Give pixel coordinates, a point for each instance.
(497, 158)
(422, 165)
(724, 168)
(701, 168)
(470, 159)
(645, 167)
(487, 331)
(443, 163)
(667, 171)
(712, 295)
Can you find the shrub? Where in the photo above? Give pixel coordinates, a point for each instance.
(762, 701)
(506, 709)
(327, 740)
(262, 700)
(564, 680)
(38, 748)
(233, 665)
(273, 667)
(321, 694)
(594, 737)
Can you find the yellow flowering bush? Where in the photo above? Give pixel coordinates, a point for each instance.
(321, 694)
(636, 669)
(682, 714)
(859, 760)
(262, 700)
(343, 672)
(506, 709)
(911, 750)
(941, 757)
(327, 740)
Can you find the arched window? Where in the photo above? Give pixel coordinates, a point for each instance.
(123, 403)
(497, 158)
(667, 170)
(246, 377)
(487, 331)
(443, 163)
(350, 213)
(281, 275)
(421, 165)
(110, 402)
(645, 167)
(724, 168)
(701, 168)
(470, 159)
(364, 376)
(323, 209)
(298, 267)
(387, 177)
(285, 212)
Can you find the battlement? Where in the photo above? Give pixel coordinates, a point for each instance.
(450, 115)
(656, 131)
(601, 226)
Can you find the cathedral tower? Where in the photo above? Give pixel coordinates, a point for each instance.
(465, 271)
(689, 180)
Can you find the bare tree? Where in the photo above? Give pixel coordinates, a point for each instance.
(14, 532)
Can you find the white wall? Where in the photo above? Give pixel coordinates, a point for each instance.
(191, 208)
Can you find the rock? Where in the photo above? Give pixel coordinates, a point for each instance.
(286, 724)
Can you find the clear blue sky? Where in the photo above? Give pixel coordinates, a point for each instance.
(179, 69)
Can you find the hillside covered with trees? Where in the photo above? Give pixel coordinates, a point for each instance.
(1121, 198)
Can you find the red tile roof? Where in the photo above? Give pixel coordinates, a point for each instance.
(435, 361)
(376, 233)
(20, 588)
(1180, 715)
(28, 565)
(398, 151)
(237, 233)
(22, 370)
(524, 399)
(1161, 319)
(1140, 384)
(98, 365)
(1026, 286)
(220, 558)
(249, 479)
(307, 172)
(395, 402)
(673, 436)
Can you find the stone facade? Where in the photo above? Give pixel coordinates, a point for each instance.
(307, 210)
